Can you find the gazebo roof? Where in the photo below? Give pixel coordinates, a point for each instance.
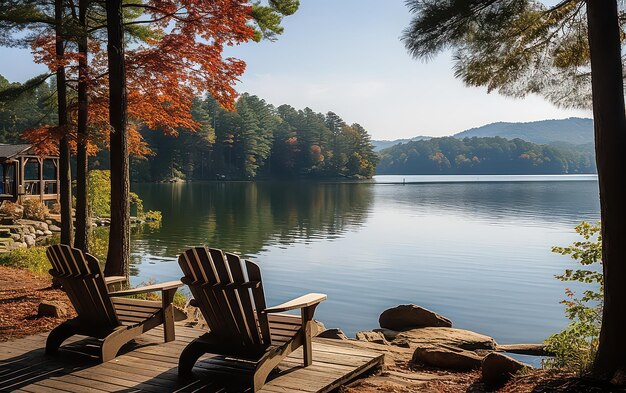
(10, 151)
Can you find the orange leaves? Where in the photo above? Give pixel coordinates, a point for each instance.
(316, 153)
(179, 58)
(45, 139)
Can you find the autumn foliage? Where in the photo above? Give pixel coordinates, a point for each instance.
(176, 54)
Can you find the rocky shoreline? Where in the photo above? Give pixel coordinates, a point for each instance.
(23, 233)
(422, 338)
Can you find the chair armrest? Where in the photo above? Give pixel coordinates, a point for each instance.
(301, 302)
(114, 279)
(149, 288)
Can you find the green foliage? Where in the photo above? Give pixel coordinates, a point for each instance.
(137, 202)
(99, 244)
(25, 106)
(574, 348)
(34, 209)
(33, 259)
(475, 155)
(268, 18)
(99, 193)
(153, 216)
(515, 47)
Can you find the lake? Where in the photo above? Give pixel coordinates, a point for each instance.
(473, 248)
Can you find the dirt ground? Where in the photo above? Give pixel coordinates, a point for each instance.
(20, 295)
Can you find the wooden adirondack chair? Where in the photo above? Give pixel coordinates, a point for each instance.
(230, 297)
(103, 314)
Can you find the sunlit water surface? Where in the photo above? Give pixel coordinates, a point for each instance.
(475, 249)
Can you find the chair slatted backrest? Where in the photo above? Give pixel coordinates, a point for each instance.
(82, 280)
(229, 294)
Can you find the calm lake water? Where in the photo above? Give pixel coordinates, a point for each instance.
(473, 248)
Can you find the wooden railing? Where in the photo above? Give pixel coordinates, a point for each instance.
(33, 187)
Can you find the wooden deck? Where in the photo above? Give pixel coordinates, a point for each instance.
(149, 365)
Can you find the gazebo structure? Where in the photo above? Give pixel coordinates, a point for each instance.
(25, 175)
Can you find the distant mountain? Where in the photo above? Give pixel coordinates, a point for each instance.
(575, 131)
(572, 131)
(383, 144)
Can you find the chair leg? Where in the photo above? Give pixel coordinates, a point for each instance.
(189, 357)
(57, 336)
(114, 342)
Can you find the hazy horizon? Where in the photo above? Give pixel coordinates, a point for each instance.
(331, 59)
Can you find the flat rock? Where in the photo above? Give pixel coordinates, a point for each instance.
(54, 228)
(447, 358)
(497, 369)
(51, 309)
(447, 337)
(525, 349)
(336, 334)
(373, 337)
(407, 316)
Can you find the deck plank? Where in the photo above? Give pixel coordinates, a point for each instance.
(149, 365)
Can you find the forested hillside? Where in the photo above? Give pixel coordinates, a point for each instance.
(574, 130)
(255, 141)
(258, 141)
(495, 155)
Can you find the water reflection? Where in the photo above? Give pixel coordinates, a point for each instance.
(477, 252)
(245, 217)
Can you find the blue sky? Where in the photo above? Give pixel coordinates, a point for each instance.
(346, 56)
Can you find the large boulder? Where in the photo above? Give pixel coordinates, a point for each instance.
(407, 316)
(497, 369)
(449, 337)
(447, 358)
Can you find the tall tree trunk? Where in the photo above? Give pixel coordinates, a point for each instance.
(610, 135)
(82, 210)
(65, 174)
(119, 235)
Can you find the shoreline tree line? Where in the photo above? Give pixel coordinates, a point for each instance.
(258, 141)
(254, 141)
(485, 155)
